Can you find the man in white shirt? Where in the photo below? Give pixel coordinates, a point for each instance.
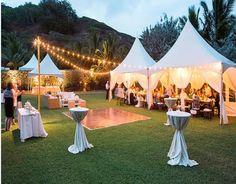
(107, 86)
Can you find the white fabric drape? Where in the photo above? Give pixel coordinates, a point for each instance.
(178, 151)
(80, 140)
(228, 77)
(181, 76)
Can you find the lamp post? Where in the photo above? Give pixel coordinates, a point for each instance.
(38, 50)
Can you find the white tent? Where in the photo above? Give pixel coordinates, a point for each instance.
(47, 67)
(4, 68)
(193, 60)
(135, 67)
(32, 64)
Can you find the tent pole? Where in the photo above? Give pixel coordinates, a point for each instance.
(38, 46)
(226, 93)
(221, 95)
(148, 90)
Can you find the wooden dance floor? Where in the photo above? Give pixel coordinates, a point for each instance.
(102, 118)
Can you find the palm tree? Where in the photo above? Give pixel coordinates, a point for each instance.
(220, 19)
(13, 52)
(94, 43)
(193, 17)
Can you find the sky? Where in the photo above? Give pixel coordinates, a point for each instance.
(127, 16)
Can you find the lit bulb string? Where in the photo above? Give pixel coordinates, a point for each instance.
(74, 54)
(61, 58)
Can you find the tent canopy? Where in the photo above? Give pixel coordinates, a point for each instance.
(47, 67)
(137, 59)
(193, 60)
(32, 64)
(190, 50)
(4, 68)
(135, 67)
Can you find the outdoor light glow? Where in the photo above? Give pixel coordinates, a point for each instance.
(51, 49)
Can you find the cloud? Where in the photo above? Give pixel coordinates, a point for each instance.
(128, 16)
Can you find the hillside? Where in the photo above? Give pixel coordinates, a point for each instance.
(81, 34)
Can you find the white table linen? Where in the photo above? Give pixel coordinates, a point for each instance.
(80, 140)
(30, 124)
(178, 151)
(170, 103)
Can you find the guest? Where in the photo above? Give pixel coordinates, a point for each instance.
(192, 92)
(120, 93)
(107, 86)
(170, 91)
(15, 95)
(9, 105)
(217, 102)
(20, 92)
(196, 102)
(207, 91)
(133, 100)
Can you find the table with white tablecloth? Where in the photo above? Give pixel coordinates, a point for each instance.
(170, 103)
(30, 124)
(80, 140)
(178, 151)
(45, 89)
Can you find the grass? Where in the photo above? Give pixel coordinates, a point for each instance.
(130, 153)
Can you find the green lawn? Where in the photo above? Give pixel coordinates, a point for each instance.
(130, 153)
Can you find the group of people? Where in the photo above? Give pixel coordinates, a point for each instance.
(13, 100)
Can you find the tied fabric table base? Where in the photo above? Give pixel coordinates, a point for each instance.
(80, 141)
(178, 151)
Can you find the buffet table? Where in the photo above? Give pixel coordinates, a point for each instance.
(45, 89)
(30, 124)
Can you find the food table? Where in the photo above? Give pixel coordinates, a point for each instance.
(30, 124)
(80, 140)
(178, 151)
(170, 103)
(45, 89)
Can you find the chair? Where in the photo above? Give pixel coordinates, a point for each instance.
(52, 102)
(71, 104)
(207, 113)
(195, 111)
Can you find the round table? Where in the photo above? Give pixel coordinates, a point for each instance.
(178, 151)
(170, 103)
(80, 141)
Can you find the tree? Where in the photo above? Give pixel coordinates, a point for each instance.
(159, 39)
(13, 51)
(219, 21)
(54, 10)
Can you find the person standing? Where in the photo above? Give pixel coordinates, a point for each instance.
(107, 89)
(20, 92)
(9, 105)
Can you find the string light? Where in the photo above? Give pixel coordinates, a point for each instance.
(73, 54)
(61, 58)
(55, 52)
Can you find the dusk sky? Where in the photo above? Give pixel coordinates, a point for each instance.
(128, 16)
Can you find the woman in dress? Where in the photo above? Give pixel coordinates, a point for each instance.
(15, 94)
(9, 105)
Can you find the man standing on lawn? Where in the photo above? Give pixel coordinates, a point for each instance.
(107, 89)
